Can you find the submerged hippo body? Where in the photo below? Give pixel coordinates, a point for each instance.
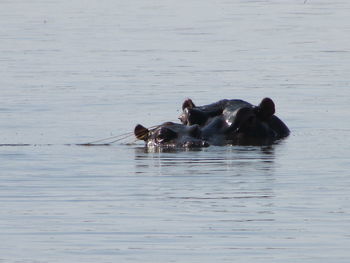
(235, 122)
(173, 135)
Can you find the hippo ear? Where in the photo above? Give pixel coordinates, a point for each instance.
(188, 104)
(266, 108)
(141, 132)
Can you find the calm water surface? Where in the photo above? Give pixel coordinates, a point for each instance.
(75, 72)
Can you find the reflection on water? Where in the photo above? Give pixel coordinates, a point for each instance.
(216, 158)
(238, 172)
(217, 191)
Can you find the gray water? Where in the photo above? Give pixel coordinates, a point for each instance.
(78, 71)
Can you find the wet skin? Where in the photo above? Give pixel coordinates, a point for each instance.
(235, 122)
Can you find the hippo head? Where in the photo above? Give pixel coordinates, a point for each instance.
(253, 122)
(171, 134)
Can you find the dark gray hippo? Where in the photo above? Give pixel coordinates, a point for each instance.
(235, 122)
(171, 135)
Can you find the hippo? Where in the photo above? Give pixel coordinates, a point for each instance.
(235, 122)
(171, 135)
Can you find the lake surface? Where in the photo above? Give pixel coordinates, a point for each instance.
(78, 71)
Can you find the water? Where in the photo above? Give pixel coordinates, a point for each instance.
(74, 72)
